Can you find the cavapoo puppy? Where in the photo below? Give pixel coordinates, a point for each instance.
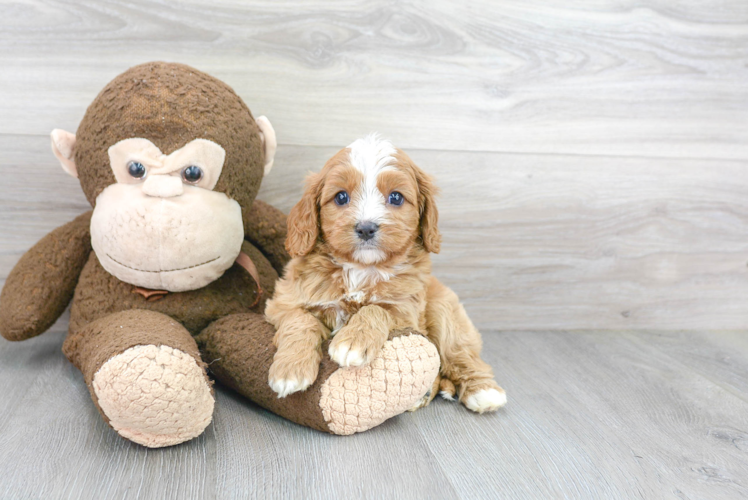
(360, 240)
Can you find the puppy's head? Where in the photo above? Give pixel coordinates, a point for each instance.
(370, 204)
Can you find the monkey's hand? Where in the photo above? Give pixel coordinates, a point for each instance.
(265, 228)
(42, 283)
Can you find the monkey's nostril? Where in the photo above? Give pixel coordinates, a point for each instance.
(366, 230)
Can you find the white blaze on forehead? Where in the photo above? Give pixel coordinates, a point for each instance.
(371, 155)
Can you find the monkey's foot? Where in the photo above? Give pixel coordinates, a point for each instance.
(240, 351)
(154, 395)
(357, 399)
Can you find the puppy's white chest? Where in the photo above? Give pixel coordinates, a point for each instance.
(357, 297)
(358, 279)
(357, 291)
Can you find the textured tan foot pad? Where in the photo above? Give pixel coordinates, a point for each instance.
(357, 399)
(154, 395)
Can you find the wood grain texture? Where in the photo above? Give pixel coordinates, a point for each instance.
(591, 415)
(559, 241)
(654, 78)
(593, 159)
(530, 241)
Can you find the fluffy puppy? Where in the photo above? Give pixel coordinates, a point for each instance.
(360, 240)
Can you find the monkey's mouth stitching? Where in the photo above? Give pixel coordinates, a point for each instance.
(163, 270)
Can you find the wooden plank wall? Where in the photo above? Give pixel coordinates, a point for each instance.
(593, 156)
(593, 159)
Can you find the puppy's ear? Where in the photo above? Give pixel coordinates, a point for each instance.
(303, 221)
(427, 192)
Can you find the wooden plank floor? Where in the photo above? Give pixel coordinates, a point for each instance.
(591, 415)
(593, 159)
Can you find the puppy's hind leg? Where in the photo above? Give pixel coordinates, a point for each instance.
(459, 345)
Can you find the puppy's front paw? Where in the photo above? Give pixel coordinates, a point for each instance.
(353, 346)
(287, 376)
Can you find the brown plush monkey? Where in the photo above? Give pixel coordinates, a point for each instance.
(176, 246)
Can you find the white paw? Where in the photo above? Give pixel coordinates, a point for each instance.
(486, 400)
(448, 396)
(344, 356)
(284, 387)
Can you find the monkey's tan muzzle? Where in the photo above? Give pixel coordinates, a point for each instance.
(152, 238)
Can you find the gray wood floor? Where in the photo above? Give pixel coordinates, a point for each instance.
(591, 415)
(593, 159)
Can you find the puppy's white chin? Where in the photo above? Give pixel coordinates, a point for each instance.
(368, 256)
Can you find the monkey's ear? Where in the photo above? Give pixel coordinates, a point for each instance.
(267, 135)
(63, 144)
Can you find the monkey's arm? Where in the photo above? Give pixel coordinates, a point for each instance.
(42, 283)
(265, 228)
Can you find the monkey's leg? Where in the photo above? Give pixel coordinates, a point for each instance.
(239, 350)
(145, 375)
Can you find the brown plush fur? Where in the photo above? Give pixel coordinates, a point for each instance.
(228, 343)
(265, 228)
(100, 294)
(327, 290)
(170, 104)
(40, 286)
(94, 344)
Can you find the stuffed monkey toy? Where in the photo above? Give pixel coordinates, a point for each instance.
(172, 267)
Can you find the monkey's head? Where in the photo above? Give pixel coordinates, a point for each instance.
(169, 158)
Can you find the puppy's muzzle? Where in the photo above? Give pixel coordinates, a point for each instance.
(366, 230)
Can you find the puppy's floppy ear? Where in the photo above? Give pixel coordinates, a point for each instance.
(427, 191)
(303, 221)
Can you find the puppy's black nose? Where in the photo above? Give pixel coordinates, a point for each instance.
(366, 230)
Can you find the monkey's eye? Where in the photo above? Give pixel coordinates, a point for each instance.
(342, 198)
(136, 169)
(396, 198)
(192, 174)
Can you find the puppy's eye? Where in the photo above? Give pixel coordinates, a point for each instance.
(136, 169)
(192, 174)
(396, 198)
(342, 198)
